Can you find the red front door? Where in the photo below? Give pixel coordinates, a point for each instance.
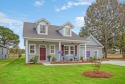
(42, 53)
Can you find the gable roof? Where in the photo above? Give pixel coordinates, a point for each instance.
(98, 43)
(62, 26)
(95, 40)
(42, 19)
(30, 32)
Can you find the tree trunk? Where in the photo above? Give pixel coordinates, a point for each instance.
(105, 50)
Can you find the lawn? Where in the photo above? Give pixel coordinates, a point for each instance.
(13, 71)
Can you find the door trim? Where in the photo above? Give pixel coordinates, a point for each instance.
(46, 50)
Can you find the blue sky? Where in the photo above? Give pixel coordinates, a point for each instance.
(14, 12)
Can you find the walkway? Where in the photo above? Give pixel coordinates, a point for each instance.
(114, 62)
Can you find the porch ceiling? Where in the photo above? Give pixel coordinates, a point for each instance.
(56, 40)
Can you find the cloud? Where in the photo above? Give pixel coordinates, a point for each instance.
(13, 24)
(79, 21)
(70, 4)
(39, 3)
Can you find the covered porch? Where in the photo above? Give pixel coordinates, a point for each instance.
(62, 50)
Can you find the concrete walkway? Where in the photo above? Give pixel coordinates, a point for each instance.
(114, 62)
(49, 64)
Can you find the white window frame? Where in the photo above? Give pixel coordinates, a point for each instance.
(51, 49)
(69, 51)
(46, 30)
(65, 32)
(34, 49)
(97, 53)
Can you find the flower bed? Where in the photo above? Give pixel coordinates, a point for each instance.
(97, 74)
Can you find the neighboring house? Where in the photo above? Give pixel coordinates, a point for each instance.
(3, 52)
(43, 39)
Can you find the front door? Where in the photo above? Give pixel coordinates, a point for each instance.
(42, 53)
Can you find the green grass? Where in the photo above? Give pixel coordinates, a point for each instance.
(13, 71)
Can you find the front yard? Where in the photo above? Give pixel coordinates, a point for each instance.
(13, 71)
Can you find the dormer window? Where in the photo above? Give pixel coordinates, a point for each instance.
(43, 29)
(42, 26)
(67, 31)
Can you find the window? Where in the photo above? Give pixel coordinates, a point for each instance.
(69, 50)
(67, 31)
(32, 49)
(96, 53)
(42, 29)
(52, 49)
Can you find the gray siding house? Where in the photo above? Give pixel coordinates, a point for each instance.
(3, 52)
(43, 39)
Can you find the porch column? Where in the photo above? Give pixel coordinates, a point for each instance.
(59, 50)
(79, 51)
(85, 51)
(26, 51)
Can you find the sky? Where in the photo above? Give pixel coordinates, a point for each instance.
(13, 13)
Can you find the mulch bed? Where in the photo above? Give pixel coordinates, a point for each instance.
(28, 64)
(70, 62)
(97, 74)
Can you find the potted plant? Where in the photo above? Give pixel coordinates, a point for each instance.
(49, 56)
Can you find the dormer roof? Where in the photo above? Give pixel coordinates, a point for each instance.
(42, 19)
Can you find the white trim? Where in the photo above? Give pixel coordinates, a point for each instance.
(70, 32)
(45, 48)
(42, 19)
(26, 51)
(42, 44)
(46, 30)
(85, 51)
(59, 50)
(34, 49)
(95, 40)
(69, 51)
(53, 49)
(69, 24)
(97, 53)
(63, 40)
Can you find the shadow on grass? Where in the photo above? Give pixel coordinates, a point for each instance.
(18, 61)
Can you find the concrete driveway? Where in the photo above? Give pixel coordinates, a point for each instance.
(114, 62)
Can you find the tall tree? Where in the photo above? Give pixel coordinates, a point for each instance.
(8, 37)
(102, 20)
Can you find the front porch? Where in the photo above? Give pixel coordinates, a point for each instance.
(61, 50)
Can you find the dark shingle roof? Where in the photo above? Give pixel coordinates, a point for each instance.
(29, 30)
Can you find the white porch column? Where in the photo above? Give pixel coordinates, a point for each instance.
(59, 50)
(85, 51)
(26, 51)
(79, 51)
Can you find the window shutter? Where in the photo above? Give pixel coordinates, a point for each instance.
(62, 47)
(75, 49)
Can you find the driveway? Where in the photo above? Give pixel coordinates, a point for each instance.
(114, 62)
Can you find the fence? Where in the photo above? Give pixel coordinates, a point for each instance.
(114, 56)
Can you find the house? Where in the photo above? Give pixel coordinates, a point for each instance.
(3, 52)
(43, 39)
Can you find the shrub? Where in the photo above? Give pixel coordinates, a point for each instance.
(34, 59)
(92, 59)
(53, 59)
